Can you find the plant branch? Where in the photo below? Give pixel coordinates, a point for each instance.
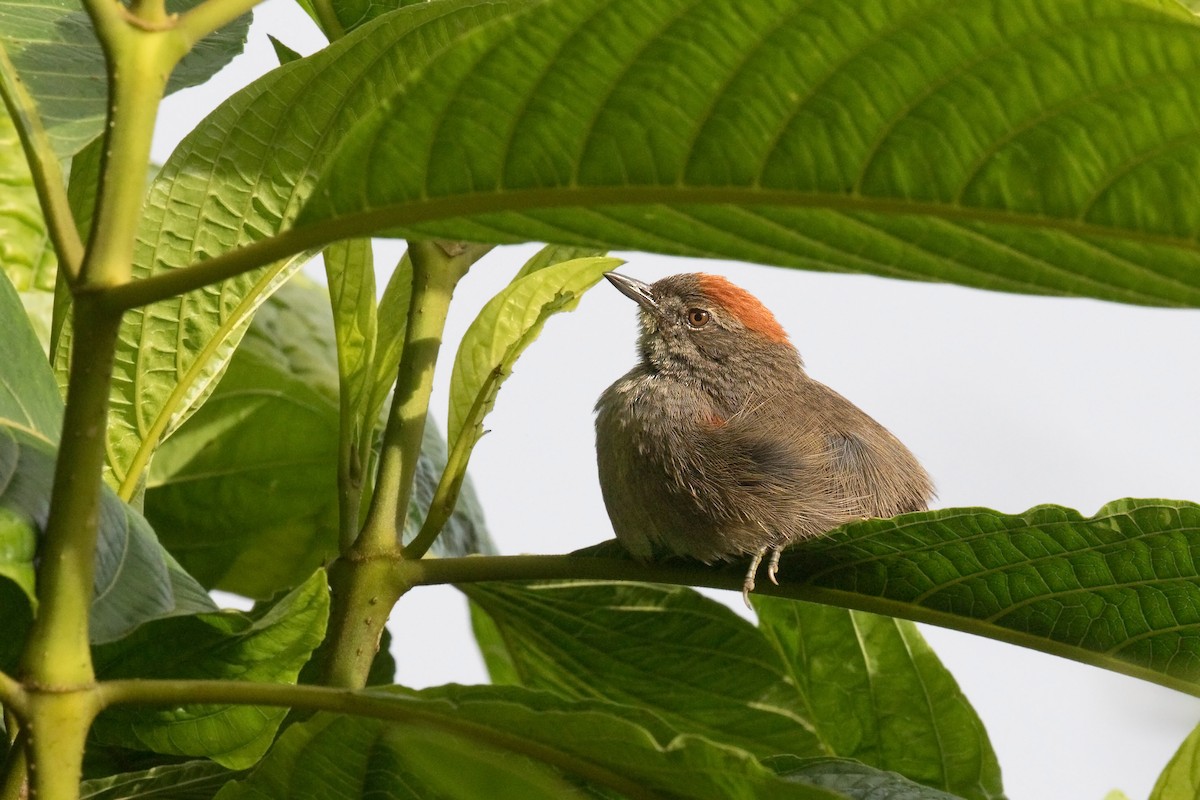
(138, 66)
(331, 26)
(47, 176)
(210, 16)
(57, 652)
(435, 275)
(373, 704)
(236, 262)
(362, 581)
(58, 727)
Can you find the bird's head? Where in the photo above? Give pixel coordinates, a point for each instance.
(702, 327)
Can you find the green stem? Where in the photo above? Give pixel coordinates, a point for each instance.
(165, 285)
(210, 16)
(57, 726)
(435, 274)
(362, 594)
(57, 652)
(475, 569)
(376, 705)
(43, 167)
(56, 663)
(362, 581)
(139, 64)
(327, 18)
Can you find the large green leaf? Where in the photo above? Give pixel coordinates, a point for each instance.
(877, 693)
(1015, 145)
(240, 176)
(266, 444)
(1119, 590)
(223, 646)
(135, 580)
(608, 745)
(811, 681)
(690, 660)
(54, 48)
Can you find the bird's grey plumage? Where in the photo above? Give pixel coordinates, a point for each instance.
(718, 445)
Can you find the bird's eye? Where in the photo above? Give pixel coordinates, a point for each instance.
(698, 317)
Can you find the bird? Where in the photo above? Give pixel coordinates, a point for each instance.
(717, 445)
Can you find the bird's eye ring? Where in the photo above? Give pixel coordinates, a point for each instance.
(698, 317)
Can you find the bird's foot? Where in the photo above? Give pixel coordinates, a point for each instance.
(773, 566)
(772, 571)
(748, 584)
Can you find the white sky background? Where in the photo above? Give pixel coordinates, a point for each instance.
(1009, 401)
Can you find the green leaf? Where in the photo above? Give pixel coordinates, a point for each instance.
(266, 444)
(26, 255)
(1180, 779)
(29, 398)
(55, 51)
(876, 692)
(509, 323)
(465, 533)
(497, 657)
(1012, 145)
(1119, 590)
(223, 646)
(690, 660)
(856, 780)
(241, 176)
(392, 323)
(135, 581)
(608, 745)
(285, 54)
(350, 273)
(170, 357)
(192, 780)
(553, 254)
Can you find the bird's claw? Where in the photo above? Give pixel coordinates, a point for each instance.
(748, 584)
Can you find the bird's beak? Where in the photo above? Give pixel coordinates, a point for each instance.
(634, 290)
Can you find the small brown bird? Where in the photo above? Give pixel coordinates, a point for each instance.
(718, 444)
